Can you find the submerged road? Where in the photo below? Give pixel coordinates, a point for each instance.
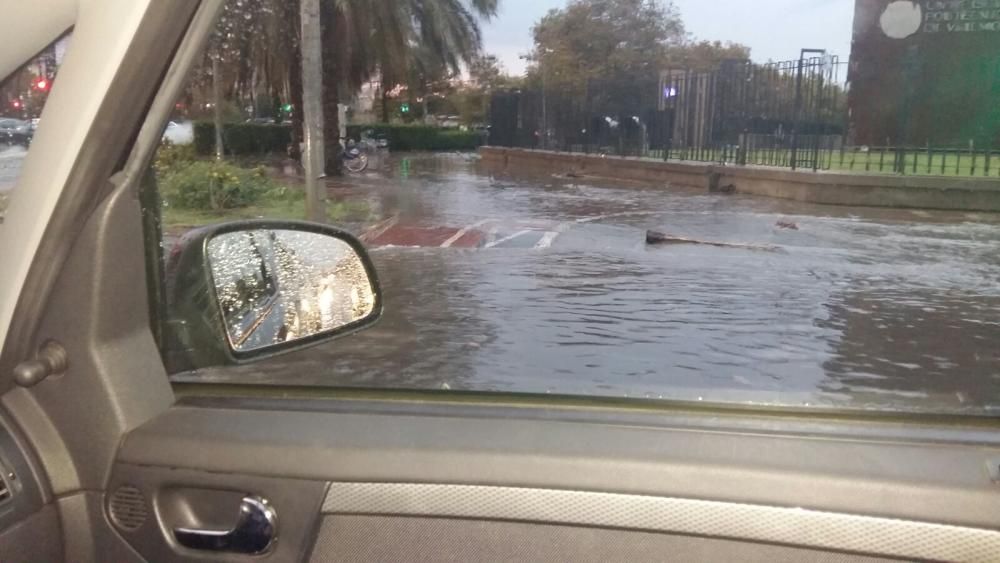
(547, 285)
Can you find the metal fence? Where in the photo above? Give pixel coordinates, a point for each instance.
(790, 114)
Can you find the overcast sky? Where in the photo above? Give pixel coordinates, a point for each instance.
(773, 29)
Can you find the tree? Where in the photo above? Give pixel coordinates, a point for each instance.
(408, 42)
(486, 76)
(605, 53)
(705, 56)
(414, 43)
(486, 73)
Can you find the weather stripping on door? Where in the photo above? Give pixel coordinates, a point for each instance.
(253, 534)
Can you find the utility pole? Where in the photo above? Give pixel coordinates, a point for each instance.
(545, 105)
(540, 59)
(312, 111)
(217, 106)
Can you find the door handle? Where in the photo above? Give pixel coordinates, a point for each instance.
(254, 533)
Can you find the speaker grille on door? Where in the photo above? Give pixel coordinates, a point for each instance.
(128, 508)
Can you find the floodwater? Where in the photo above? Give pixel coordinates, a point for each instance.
(546, 285)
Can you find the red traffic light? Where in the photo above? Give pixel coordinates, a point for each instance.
(42, 84)
(16, 104)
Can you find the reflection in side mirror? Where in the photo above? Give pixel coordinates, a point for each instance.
(277, 286)
(246, 289)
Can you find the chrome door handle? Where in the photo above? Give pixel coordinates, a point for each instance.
(254, 533)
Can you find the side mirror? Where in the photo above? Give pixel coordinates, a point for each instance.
(250, 289)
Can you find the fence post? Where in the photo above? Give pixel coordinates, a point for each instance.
(972, 151)
(798, 111)
(930, 157)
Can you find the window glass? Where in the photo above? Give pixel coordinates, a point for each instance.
(22, 97)
(677, 201)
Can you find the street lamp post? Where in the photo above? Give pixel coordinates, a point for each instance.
(545, 120)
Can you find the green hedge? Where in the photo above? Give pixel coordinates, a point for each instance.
(243, 138)
(420, 137)
(253, 138)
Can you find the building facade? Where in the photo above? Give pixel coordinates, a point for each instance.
(925, 72)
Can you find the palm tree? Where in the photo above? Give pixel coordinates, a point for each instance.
(406, 41)
(410, 42)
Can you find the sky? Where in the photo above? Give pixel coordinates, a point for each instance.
(773, 29)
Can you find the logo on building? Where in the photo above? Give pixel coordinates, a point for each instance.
(901, 19)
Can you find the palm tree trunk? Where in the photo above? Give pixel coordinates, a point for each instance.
(295, 79)
(312, 83)
(331, 89)
(385, 100)
(217, 108)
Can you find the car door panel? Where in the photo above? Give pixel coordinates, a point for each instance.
(893, 497)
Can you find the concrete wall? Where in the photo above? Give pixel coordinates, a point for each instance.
(834, 188)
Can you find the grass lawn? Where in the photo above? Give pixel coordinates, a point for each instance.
(953, 163)
(289, 208)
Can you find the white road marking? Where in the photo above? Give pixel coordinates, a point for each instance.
(379, 229)
(624, 214)
(461, 233)
(508, 239)
(547, 240)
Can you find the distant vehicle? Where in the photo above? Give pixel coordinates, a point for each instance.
(16, 132)
(34, 123)
(179, 133)
(373, 139)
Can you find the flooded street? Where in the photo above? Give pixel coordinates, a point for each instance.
(547, 285)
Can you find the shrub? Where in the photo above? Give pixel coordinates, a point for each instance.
(242, 138)
(211, 185)
(170, 157)
(420, 137)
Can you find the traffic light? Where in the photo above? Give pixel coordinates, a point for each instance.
(287, 108)
(16, 104)
(42, 84)
(405, 108)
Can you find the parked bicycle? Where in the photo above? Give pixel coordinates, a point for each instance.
(353, 157)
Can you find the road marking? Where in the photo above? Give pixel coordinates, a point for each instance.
(461, 233)
(508, 239)
(379, 229)
(624, 214)
(547, 240)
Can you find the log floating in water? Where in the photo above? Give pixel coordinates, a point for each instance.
(656, 237)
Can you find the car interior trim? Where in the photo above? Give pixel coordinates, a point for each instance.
(794, 526)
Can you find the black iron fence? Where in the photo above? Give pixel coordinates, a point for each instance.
(790, 114)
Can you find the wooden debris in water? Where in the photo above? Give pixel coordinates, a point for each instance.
(656, 237)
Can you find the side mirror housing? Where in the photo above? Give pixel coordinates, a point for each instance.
(245, 290)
